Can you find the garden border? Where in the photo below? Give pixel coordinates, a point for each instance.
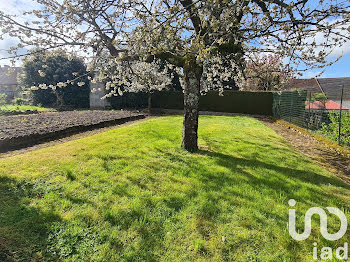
(15, 143)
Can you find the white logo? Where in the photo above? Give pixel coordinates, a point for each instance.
(323, 222)
(327, 253)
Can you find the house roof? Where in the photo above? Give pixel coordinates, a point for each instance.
(331, 87)
(328, 105)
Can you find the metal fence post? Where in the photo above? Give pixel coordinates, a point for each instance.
(291, 108)
(340, 114)
(309, 115)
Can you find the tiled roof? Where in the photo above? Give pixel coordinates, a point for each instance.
(329, 105)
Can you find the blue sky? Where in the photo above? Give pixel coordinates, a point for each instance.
(339, 69)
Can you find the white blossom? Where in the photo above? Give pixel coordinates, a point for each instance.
(41, 73)
(43, 86)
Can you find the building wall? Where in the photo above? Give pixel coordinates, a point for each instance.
(11, 91)
(8, 81)
(95, 98)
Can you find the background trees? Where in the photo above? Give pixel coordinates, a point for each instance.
(202, 39)
(50, 68)
(266, 73)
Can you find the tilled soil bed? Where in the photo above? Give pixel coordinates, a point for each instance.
(21, 131)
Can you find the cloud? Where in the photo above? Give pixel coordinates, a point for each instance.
(311, 74)
(5, 44)
(14, 8)
(17, 7)
(321, 39)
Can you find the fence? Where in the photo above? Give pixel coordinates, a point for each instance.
(316, 112)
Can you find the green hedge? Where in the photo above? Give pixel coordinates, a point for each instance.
(231, 102)
(168, 100)
(129, 100)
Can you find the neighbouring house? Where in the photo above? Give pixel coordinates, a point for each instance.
(9, 82)
(330, 87)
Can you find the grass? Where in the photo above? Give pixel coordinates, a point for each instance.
(22, 108)
(132, 194)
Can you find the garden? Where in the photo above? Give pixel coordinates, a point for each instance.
(133, 194)
(25, 130)
(204, 186)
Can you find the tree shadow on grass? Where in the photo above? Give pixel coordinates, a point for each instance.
(276, 179)
(282, 180)
(23, 229)
(299, 175)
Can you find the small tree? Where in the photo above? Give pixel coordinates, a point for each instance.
(266, 73)
(319, 97)
(47, 73)
(331, 130)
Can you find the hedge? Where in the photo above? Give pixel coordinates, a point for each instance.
(259, 103)
(129, 100)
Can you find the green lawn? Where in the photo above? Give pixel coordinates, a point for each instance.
(22, 108)
(132, 194)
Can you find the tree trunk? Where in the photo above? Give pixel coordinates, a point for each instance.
(193, 75)
(149, 103)
(59, 99)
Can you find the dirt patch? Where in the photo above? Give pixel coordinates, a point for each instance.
(336, 159)
(22, 131)
(67, 138)
(17, 126)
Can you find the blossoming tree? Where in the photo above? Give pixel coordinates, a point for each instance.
(266, 73)
(200, 38)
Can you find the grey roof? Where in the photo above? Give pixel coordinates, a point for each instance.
(332, 87)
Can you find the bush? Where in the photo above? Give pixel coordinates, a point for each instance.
(3, 99)
(19, 101)
(52, 68)
(332, 130)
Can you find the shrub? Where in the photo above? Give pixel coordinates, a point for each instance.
(332, 130)
(3, 99)
(52, 68)
(19, 101)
